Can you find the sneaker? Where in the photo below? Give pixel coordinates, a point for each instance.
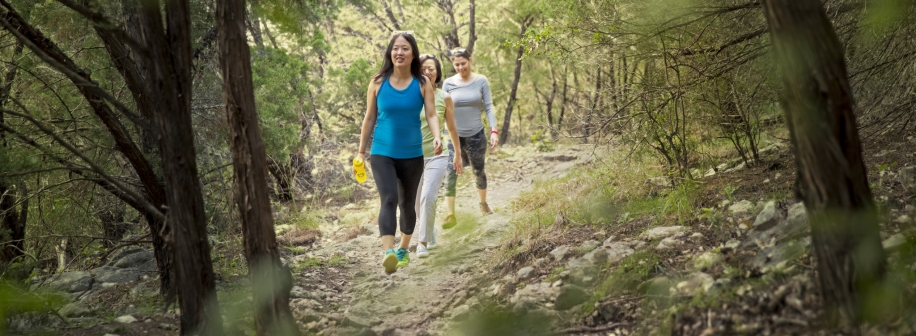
(485, 209)
(450, 222)
(390, 261)
(422, 252)
(403, 257)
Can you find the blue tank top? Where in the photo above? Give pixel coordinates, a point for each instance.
(397, 129)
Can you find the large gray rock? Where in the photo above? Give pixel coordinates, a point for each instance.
(894, 242)
(560, 252)
(114, 258)
(707, 259)
(135, 260)
(525, 273)
(596, 256)
(798, 213)
(569, 297)
(768, 217)
(74, 309)
(588, 246)
(907, 177)
(696, 283)
(741, 207)
(109, 274)
(617, 250)
(777, 256)
(667, 244)
(72, 282)
(662, 232)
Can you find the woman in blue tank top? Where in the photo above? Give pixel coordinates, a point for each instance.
(396, 95)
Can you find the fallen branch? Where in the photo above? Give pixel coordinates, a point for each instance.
(580, 330)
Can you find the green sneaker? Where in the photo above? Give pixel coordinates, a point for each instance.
(390, 261)
(450, 222)
(403, 257)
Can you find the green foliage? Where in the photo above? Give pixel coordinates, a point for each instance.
(281, 85)
(542, 143)
(17, 300)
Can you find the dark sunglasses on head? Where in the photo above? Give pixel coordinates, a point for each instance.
(459, 51)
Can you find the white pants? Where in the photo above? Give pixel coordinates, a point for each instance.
(433, 174)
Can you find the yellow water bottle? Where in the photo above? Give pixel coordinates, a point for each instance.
(359, 168)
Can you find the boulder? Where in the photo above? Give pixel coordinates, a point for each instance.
(696, 283)
(797, 213)
(656, 286)
(109, 274)
(894, 242)
(123, 254)
(461, 313)
(661, 181)
(74, 309)
(707, 259)
(596, 256)
(667, 244)
(72, 282)
(907, 178)
(570, 296)
(617, 250)
(662, 232)
(560, 252)
(741, 207)
(768, 217)
(770, 257)
(588, 246)
(134, 260)
(126, 319)
(525, 273)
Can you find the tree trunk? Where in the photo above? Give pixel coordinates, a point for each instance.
(285, 179)
(170, 78)
(472, 27)
(271, 281)
(588, 119)
(507, 119)
(556, 132)
(832, 178)
(12, 225)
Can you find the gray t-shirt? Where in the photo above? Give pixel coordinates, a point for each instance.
(470, 101)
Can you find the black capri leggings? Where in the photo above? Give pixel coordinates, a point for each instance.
(397, 181)
(473, 151)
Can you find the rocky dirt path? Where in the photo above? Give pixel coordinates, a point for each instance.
(350, 294)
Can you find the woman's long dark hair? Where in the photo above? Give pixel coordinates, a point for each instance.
(388, 65)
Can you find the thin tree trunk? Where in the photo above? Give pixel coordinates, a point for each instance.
(832, 178)
(10, 221)
(562, 103)
(472, 27)
(170, 76)
(271, 281)
(588, 119)
(507, 119)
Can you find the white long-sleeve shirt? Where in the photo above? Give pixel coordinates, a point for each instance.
(470, 101)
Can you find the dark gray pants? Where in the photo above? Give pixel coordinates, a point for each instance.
(473, 152)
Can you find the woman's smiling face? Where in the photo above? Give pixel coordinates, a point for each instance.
(401, 53)
(462, 66)
(429, 69)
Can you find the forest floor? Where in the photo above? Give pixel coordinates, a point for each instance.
(583, 240)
